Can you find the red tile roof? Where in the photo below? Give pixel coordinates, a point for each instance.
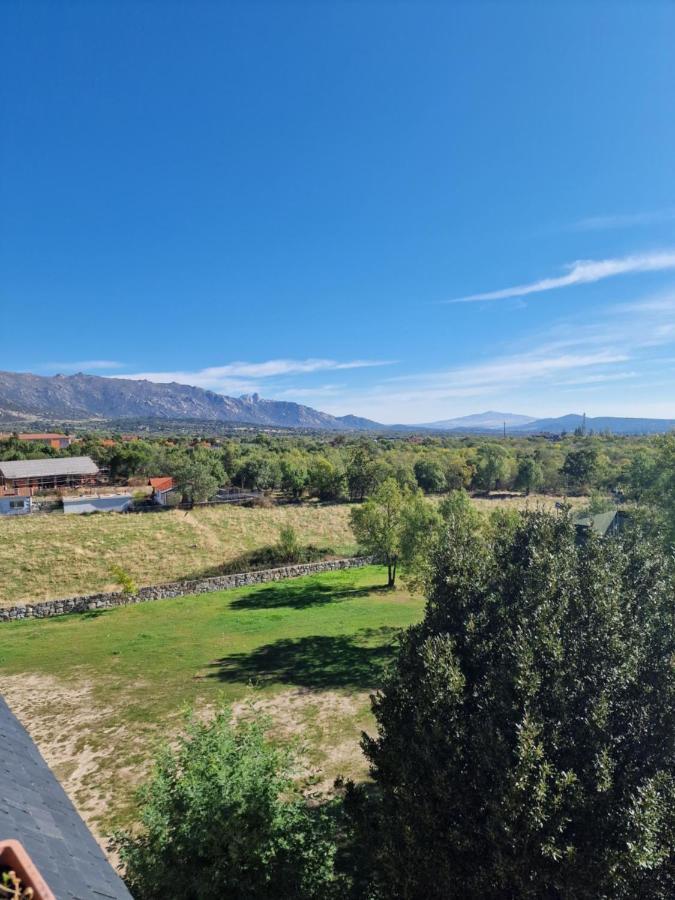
(161, 484)
(46, 436)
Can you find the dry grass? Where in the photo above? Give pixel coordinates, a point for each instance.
(519, 501)
(43, 557)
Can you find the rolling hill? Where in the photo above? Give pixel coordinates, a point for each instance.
(482, 421)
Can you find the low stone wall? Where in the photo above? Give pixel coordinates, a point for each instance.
(89, 602)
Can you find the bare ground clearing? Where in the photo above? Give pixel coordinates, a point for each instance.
(101, 761)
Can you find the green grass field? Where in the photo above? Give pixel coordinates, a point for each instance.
(98, 691)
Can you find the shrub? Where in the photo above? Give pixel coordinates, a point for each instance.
(221, 817)
(288, 544)
(124, 579)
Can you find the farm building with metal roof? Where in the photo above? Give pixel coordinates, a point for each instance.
(30, 475)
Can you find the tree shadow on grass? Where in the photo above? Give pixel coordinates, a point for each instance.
(299, 595)
(94, 613)
(319, 661)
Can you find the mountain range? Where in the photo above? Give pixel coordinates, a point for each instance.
(89, 398)
(78, 398)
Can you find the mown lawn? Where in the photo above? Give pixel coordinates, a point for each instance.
(43, 557)
(98, 691)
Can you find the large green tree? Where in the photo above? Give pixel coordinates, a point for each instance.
(361, 472)
(662, 492)
(197, 475)
(526, 743)
(492, 466)
(430, 475)
(393, 524)
(580, 466)
(529, 475)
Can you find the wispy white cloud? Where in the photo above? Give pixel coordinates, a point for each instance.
(441, 394)
(244, 377)
(509, 370)
(584, 271)
(597, 379)
(624, 220)
(611, 353)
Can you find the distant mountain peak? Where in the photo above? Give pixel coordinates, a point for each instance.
(491, 419)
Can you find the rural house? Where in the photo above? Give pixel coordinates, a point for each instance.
(48, 438)
(164, 491)
(52, 439)
(26, 476)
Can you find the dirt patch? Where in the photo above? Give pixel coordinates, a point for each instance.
(100, 760)
(78, 738)
(331, 721)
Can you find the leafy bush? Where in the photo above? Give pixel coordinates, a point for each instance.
(526, 740)
(288, 544)
(272, 556)
(221, 817)
(124, 579)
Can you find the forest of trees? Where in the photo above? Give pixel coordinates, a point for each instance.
(351, 467)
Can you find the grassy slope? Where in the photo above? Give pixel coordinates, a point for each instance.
(98, 690)
(62, 556)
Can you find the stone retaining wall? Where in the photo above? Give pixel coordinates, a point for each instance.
(89, 602)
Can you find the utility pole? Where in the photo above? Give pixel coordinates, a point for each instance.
(583, 425)
(504, 430)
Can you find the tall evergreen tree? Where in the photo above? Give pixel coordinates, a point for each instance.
(526, 743)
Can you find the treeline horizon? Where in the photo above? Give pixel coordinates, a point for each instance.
(346, 467)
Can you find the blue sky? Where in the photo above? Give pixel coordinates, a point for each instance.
(405, 211)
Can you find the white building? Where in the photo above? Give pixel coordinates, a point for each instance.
(77, 506)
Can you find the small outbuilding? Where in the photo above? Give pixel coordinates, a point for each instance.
(14, 505)
(601, 524)
(164, 491)
(78, 506)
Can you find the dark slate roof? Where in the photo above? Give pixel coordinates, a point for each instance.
(35, 810)
(600, 523)
(36, 468)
